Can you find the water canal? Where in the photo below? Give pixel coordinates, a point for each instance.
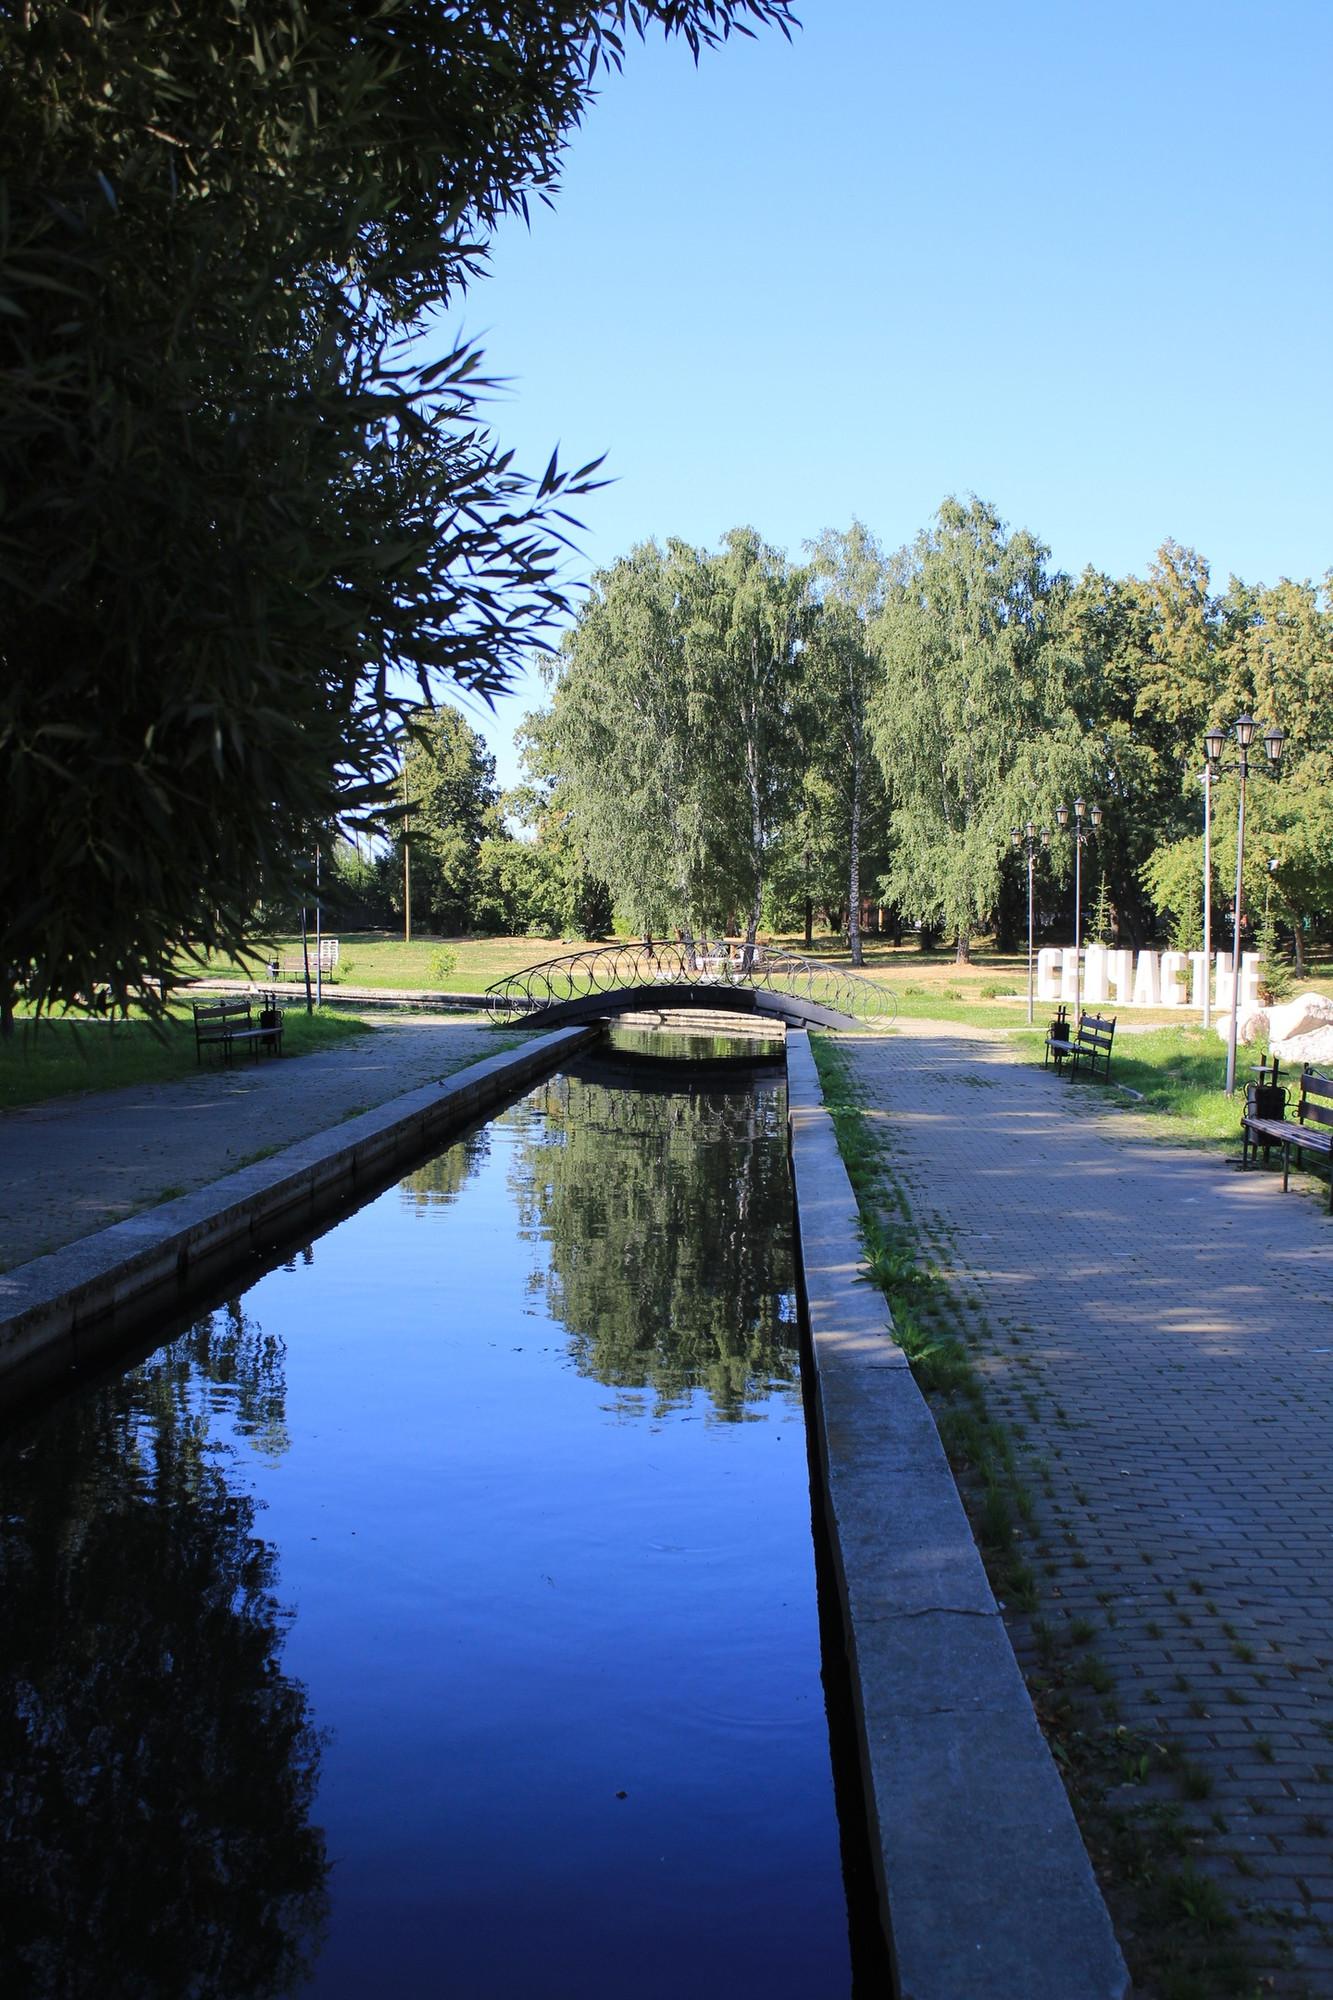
(439, 1618)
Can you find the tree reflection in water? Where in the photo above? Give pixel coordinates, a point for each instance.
(667, 1220)
(157, 1768)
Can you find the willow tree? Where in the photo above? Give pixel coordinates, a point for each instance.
(237, 536)
(969, 694)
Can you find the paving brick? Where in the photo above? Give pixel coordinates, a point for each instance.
(1160, 1326)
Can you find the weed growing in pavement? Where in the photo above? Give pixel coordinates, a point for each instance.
(1177, 1927)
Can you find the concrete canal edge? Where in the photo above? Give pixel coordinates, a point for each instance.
(985, 1884)
(56, 1309)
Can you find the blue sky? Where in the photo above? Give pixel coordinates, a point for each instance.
(1073, 259)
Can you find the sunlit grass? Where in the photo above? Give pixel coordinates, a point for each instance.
(381, 961)
(52, 1058)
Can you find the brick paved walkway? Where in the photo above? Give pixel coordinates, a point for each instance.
(1158, 1329)
(75, 1164)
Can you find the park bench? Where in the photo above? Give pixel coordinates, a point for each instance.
(1096, 1033)
(223, 1023)
(1311, 1131)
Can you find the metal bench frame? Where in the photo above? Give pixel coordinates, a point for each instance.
(1092, 1045)
(217, 1024)
(1311, 1131)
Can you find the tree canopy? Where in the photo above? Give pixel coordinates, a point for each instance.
(902, 712)
(239, 535)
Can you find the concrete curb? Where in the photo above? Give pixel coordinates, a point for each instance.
(150, 1262)
(984, 1880)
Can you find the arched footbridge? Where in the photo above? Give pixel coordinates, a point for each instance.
(724, 976)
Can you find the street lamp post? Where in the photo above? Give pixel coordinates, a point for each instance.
(1081, 833)
(1246, 731)
(1017, 839)
(319, 937)
(1213, 749)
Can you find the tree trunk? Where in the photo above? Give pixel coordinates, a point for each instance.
(305, 962)
(1295, 945)
(963, 955)
(7, 1009)
(809, 922)
(752, 928)
(854, 874)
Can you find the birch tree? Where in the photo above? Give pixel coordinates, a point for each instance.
(627, 733)
(841, 677)
(751, 612)
(965, 647)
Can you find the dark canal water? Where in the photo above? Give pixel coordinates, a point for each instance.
(439, 1618)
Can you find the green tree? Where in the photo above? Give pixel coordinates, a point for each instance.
(970, 719)
(675, 728)
(628, 741)
(1268, 650)
(452, 806)
(541, 882)
(235, 533)
(751, 612)
(844, 784)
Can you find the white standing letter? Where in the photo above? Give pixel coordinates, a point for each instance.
(1199, 982)
(1120, 967)
(1174, 963)
(1048, 963)
(1068, 973)
(1147, 993)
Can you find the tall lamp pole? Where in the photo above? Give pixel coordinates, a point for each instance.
(407, 864)
(1081, 833)
(1213, 735)
(1246, 731)
(319, 936)
(1017, 839)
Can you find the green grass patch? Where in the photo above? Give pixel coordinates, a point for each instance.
(52, 1058)
(381, 961)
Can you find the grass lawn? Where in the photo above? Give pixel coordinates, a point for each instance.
(53, 1058)
(381, 959)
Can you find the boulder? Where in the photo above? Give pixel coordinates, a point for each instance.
(1316, 1048)
(1251, 1027)
(1308, 1014)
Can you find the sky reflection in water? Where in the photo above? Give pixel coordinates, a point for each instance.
(375, 1593)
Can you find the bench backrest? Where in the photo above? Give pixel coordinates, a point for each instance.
(216, 1013)
(1097, 1029)
(1316, 1105)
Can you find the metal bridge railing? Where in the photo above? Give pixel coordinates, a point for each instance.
(717, 962)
